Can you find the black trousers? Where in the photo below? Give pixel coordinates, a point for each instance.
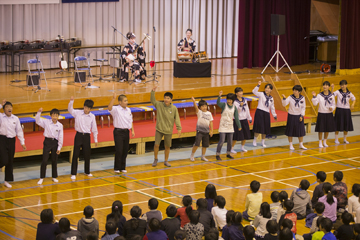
(50, 145)
(7, 152)
(82, 140)
(121, 139)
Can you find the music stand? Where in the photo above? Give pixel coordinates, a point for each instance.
(153, 76)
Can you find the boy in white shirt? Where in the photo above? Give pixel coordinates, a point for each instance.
(219, 212)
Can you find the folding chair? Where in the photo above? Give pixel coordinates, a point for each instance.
(80, 65)
(39, 71)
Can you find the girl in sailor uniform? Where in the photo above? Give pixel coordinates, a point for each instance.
(343, 120)
(295, 126)
(244, 115)
(325, 122)
(262, 122)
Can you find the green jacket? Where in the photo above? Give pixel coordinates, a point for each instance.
(166, 116)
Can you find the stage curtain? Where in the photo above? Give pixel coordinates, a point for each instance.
(214, 25)
(350, 35)
(255, 43)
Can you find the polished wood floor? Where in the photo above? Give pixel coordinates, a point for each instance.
(275, 168)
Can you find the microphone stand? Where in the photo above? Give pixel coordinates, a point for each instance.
(153, 76)
(120, 61)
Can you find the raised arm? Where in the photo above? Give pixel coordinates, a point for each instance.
(315, 99)
(285, 101)
(256, 90)
(39, 121)
(71, 107)
(152, 97)
(111, 104)
(195, 106)
(219, 103)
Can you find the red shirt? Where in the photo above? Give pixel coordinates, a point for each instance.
(293, 218)
(183, 216)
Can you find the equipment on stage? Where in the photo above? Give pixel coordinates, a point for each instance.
(136, 49)
(35, 76)
(55, 43)
(62, 63)
(72, 42)
(201, 57)
(83, 64)
(153, 76)
(80, 77)
(4, 45)
(184, 57)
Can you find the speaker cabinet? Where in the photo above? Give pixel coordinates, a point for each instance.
(82, 76)
(35, 80)
(277, 24)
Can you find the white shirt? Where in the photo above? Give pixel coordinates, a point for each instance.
(203, 122)
(343, 99)
(84, 123)
(11, 127)
(123, 117)
(243, 111)
(353, 203)
(260, 224)
(357, 215)
(51, 130)
(325, 106)
(219, 215)
(297, 105)
(263, 104)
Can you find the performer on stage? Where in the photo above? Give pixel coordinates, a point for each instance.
(187, 44)
(130, 49)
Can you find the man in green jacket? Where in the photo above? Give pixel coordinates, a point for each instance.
(167, 114)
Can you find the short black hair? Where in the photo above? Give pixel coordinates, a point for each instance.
(110, 227)
(202, 203)
(289, 205)
(121, 97)
(304, 184)
(338, 175)
(297, 88)
(319, 207)
(171, 210)
(265, 210)
(356, 189)
(249, 232)
(154, 224)
(285, 234)
(180, 235)
(269, 85)
(347, 218)
(238, 89)
(168, 94)
(194, 217)
(326, 83)
(153, 203)
(230, 96)
(202, 103)
(54, 111)
(343, 82)
(229, 215)
(287, 223)
(187, 200)
(275, 196)
(64, 225)
(326, 224)
(210, 191)
(88, 211)
(321, 175)
(135, 212)
(220, 201)
(47, 216)
(190, 30)
(254, 186)
(272, 226)
(89, 103)
(213, 234)
(7, 103)
(92, 235)
(283, 196)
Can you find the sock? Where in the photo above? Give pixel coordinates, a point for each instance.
(263, 141)
(325, 141)
(344, 138)
(291, 145)
(192, 155)
(337, 138)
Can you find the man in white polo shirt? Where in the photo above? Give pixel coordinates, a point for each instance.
(123, 121)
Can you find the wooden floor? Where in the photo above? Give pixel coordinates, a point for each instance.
(275, 168)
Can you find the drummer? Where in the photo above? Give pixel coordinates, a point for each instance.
(187, 44)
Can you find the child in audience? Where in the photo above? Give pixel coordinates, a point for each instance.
(110, 231)
(206, 218)
(236, 228)
(339, 190)
(345, 231)
(155, 233)
(357, 214)
(66, 232)
(182, 212)
(356, 228)
(282, 197)
(353, 202)
(170, 224)
(205, 119)
(319, 210)
(210, 194)
(213, 234)
(153, 213)
(117, 217)
(119, 238)
(318, 192)
(286, 234)
(318, 235)
(274, 206)
(194, 229)
(94, 236)
(301, 199)
(47, 229)
(272, 228)
(88, 223)
(219, 212)
(134, 226)
(326, 226)
(261, 220)
(180, 235)
(253, 201)
(225, 230)
(289, 214)
(249, 232)
(330, 202)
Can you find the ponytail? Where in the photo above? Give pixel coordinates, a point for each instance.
(327, 190)
(188, 210)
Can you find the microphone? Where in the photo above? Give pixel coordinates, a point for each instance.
(154, 29)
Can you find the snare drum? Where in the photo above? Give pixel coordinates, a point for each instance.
(184, 55)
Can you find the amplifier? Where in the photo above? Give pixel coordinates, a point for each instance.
(35, 80)
(82, 76)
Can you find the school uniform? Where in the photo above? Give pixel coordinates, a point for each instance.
(123, 120)
(297, 106)
(84, 125)
(10, 127)
(262, 123)
(325, 121)
(244, 117)
(54, 137)
(343, 120)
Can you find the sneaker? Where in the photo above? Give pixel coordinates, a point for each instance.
(204, 159)
(55, 180)
(345, 141)
(116, 171)
(137, 80)
(89, 175)
(121, 80)
(167, 164)
(155, 163)
(218, 158)
(229, 156)
(192, 158)
(124, 171)
(337, 142)
(233, 151)
(8, 185)
(40, 181)
(73, 177)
